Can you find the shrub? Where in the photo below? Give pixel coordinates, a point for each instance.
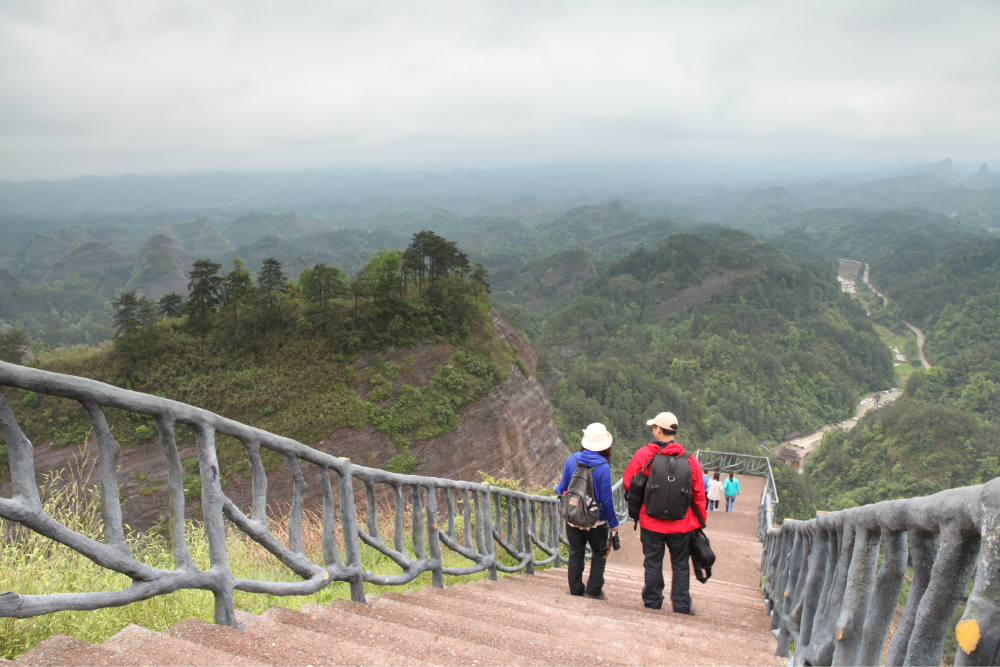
(145, 433)
(148, 490)
(30, 401)
(402, 463)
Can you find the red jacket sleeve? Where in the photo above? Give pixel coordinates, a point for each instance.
(698, 487)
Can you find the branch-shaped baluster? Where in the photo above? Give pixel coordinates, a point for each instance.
(979, 630)
(21, 459)
(259, 476)
(477, 499)
(888, 584)
(371, 513)
(923, 552)
(509, 533)
(212, 501)
(819, 555)
(449, 501)
(525, 534)
(434, 543)
(349, 526)
(487, 532)
(850, 627)
(330, 555)
(175, 490)
(466, 520)
(107, 478)
(950, 576)
(417, 524)
(298, 505)
(397, 533)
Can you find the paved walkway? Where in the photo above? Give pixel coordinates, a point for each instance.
(519, 620)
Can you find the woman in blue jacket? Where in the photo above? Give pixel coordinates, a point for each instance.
(732, 488)
(596, 452)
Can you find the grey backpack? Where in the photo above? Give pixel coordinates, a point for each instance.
(579, 504)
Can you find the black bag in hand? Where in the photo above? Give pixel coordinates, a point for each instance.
(702, 556)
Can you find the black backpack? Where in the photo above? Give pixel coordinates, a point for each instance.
(637, 491)
(668, 491)
(580, 507)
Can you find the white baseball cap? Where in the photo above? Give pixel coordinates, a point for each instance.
(665, 420)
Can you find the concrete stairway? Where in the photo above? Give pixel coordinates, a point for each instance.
(519, 620)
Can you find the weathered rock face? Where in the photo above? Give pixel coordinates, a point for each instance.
(509, 429)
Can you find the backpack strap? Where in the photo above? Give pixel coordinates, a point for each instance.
(694, 509)
(645, 468)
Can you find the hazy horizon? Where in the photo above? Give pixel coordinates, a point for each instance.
(166, 88)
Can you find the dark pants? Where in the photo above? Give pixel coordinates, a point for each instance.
(653, 547)
(578, 539)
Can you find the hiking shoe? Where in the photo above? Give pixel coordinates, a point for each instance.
(689, 612)
(599, 596)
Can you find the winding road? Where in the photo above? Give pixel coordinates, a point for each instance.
(920, 334)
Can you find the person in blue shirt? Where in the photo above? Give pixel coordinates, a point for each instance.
(596, 452)
(732, 488)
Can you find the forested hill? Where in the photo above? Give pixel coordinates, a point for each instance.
(736, 337)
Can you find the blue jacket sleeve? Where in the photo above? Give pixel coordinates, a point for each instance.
(602, 489)
(568, 470)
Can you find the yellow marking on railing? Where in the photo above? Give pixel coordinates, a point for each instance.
(968, 635)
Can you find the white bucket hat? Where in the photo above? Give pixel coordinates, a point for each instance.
(665, 420)
(596, 438)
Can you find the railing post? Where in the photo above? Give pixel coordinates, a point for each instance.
(215, 528)
(888, 584)
(923, 551)
(524, 530)
(554, 529)
(491, 547)
(850, 626)
(349, 526)
(433, 540)
(950, 575)
(979, 630)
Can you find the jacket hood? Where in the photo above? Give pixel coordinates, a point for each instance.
(672, 447)
(590, 458)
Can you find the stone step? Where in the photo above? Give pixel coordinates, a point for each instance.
(434, 614)
(157, 648)
(419, 645)
(251, 646)
(61, 649)
(321, 648)
(623, 607)
(564, 626)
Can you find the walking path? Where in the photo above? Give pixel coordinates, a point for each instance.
(519, 620)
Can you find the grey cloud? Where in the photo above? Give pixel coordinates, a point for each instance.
(168, 86)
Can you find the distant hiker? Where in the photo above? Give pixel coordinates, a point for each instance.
(732, 488)
(708, 504)
(714, 493)
(589, 510)
(673, 503)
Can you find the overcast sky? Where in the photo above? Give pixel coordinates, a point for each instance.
(165, 87)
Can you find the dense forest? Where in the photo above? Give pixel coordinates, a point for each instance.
(632, 306)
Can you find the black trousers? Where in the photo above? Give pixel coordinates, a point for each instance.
(653, 547)
(578, 539)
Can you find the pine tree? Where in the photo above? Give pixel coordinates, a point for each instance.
(126, 319)
(236, 285)
(322, 283)
(171, 305)
(271, 280)
(204, 286)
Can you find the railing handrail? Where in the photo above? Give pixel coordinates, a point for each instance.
(530, 521)
(825, 590)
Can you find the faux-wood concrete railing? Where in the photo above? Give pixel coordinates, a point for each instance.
(827, 593)
(514, 520)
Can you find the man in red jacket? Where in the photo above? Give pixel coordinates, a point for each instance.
(660, 534)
